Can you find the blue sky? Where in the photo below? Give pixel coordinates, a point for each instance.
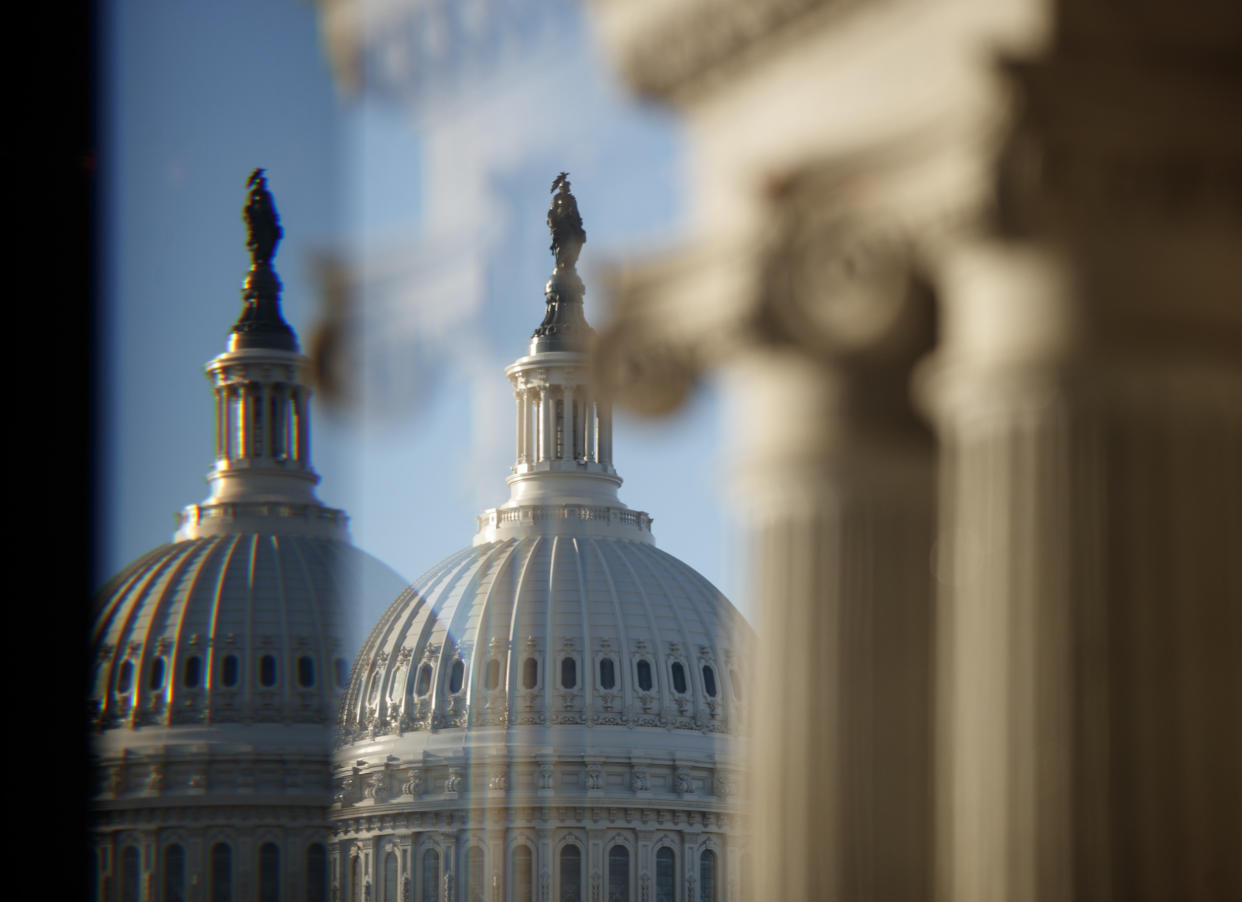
(434, 188)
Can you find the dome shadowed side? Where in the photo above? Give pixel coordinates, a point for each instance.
(240, 627)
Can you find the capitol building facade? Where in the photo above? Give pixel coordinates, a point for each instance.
(549, 713)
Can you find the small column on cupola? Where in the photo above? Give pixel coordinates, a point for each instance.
(562, 431)
(262, 468)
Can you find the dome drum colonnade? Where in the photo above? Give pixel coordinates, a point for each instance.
(219, 657)
(547, 713)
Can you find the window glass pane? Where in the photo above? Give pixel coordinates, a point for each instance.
(530, 674)
(306, 671)
(155, 679)
(431, 875)
(644, 676)
(193, 672)
(269, 873)
(456, 675)
(569, 673)
(424, 679)
(571, 874)
(619, 874)
(174, 874)
(709, 681)
(666, 876)
(221, 873)
(521, 875)
(493, 673)
(267, 670)
(130, 876)
(316, 873)
(229, 671)
(607, 674)
(390, 877)
(707, 876)
(679, 677)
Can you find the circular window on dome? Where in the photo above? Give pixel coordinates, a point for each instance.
(155, 677)
(192, 672)
(423, 684)
(267, 671)
(230, 671)
(125, 676)
(456, 676)
(644, 675)
(340, 672)
(679, 678)
(306, 671)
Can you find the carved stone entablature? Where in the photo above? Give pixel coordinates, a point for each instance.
(1158, 149)
(673, 45)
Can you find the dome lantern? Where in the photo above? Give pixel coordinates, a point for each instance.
(563, 465)
(262, 480)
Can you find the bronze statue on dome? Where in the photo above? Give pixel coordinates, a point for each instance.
(568, 236)
(261, 220)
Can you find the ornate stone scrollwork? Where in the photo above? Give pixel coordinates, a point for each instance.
(649, 376)
(639, 781)
(413, 785)
(452, 782)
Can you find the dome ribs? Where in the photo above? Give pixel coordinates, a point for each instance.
(213, 632)
(670, 652)
(322, 631)
(586, 677)
(623, 653)
(515, 656)
(492, 570)
(209, 552)
(284, 662)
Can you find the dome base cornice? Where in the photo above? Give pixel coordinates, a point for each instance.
(535, 520)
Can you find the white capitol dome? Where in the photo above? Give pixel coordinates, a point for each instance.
(219, 659)
(551, 711)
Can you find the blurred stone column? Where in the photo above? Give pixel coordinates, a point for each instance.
(834, 474)
(1088, 399)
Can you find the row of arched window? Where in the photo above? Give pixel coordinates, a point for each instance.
(519, 878)
(229, 674)
(607, 673)
(220, 884)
